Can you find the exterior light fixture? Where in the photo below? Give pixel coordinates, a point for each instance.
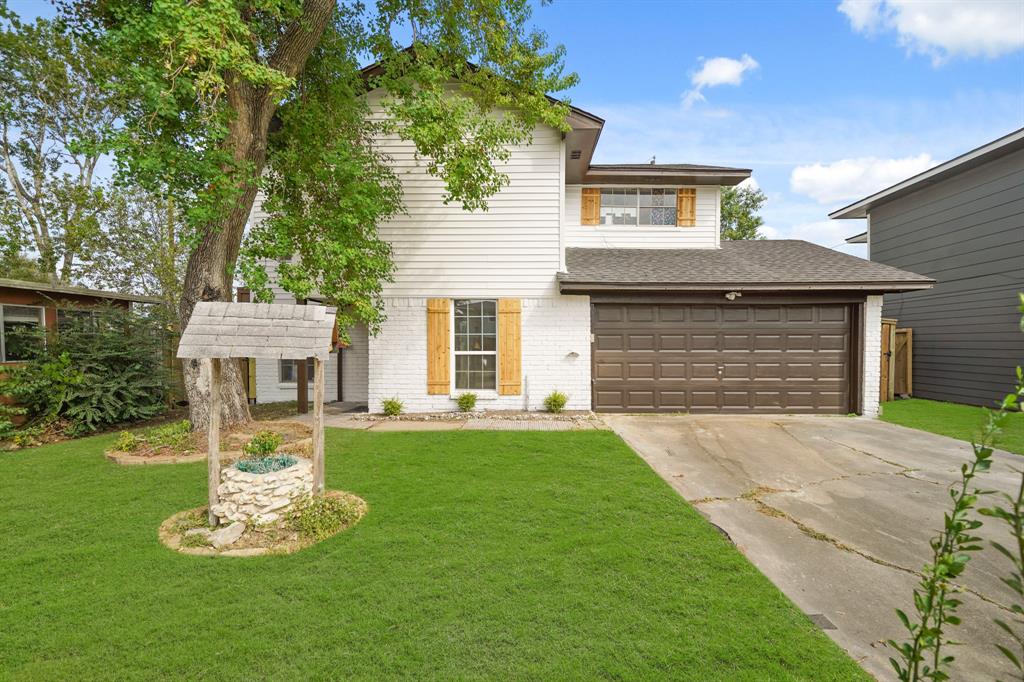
(733, 295)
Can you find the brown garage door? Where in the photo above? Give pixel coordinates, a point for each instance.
(721, 358)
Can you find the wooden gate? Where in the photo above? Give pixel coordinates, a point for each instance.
(897, 361)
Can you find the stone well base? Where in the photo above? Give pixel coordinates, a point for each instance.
(261, 498)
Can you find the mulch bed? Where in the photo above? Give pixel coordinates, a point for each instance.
(297, 440)
(273, 538)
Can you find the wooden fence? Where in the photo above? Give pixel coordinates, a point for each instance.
(897, 361)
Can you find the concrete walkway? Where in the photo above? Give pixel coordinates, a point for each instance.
(837, 512)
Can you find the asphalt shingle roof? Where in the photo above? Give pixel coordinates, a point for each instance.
(257, 330)
(771, 264)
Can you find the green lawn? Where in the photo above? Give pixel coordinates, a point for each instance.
(950, 419)
(485, 555)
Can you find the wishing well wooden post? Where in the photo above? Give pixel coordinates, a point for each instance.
(318, 425)
(213, 439)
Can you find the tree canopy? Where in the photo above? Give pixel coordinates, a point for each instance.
(228, 98)
(740, 218)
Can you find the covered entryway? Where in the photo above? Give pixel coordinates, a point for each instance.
(731, 357)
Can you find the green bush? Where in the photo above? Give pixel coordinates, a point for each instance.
(555, 402)
(127, 442)
(321, 517)
(392, 407)
(176, 434)
(265, 465)
(467, 401)
(96, 369)
(263, 443)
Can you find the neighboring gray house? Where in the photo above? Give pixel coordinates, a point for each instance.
(961, 223)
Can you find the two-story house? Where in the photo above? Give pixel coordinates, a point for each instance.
(608, 283)
(962, 223)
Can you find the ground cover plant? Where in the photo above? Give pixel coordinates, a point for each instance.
(497, 555)
(963, 422)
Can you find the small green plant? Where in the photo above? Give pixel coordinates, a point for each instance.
(263, 443)
(555, 402)
(195, 540)
(467, 401)
(127, 442)
(392, 407)
(265, 465)
(321, 517)
(176, 434)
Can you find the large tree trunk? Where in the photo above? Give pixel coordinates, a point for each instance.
(208, 273)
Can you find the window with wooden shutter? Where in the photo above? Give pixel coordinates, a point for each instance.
(590, 206)
(686, 207)
(438, 346)
(510, 354)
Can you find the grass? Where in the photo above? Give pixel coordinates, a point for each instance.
(485, 555)
(963, 422)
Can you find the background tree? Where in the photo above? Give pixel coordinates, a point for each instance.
(53, 117)
(139, 249)
(206, 82)
(740, 206)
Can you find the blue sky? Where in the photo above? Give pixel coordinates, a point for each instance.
(826, 101)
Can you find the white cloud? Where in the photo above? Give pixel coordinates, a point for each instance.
(750, 183)
(718, 71)
(850, 179)
(943, 28)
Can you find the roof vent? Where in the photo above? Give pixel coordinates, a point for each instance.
(575, 154)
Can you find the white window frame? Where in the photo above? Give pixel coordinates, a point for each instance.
(3, 333)
(637, 188)
(480, 392)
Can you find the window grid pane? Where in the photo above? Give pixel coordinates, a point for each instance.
(638, 206)
(19, 339)
(476, 340)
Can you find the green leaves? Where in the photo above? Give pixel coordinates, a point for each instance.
(740, 219)
(921, 657)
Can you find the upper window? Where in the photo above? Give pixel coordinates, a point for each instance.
(638, 206)
(288, 371)
(18, 324)
(476, 344)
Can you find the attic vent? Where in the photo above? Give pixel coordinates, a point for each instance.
(574, 154)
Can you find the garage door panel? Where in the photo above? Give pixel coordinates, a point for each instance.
(721, 358)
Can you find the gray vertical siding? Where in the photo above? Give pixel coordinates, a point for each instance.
(967, 232)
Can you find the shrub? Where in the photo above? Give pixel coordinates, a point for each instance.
(392, 407)
(263, 443)
(127, 442)
(97, 369)
(321, 517)
(265, 465)
(467, 401)
(555, 402)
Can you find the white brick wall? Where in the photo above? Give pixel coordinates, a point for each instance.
(872, 355)
(553, 328)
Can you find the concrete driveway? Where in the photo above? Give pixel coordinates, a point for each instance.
(837, 512)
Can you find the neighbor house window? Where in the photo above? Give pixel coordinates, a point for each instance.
(288, 371)
(17, 324)
(476, 344)
(66, 317)
(638, 206)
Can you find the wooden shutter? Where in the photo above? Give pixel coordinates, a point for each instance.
(590, 206)
(438, 346)
(510, 354)
(686, 207)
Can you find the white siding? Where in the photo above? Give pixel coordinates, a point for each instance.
(703, 235)
(512, 249)
(270, 390)
(553, 329)
(354, 367)
(872, 355)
